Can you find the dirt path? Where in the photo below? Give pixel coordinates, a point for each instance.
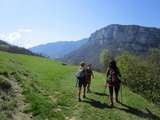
(20, 104)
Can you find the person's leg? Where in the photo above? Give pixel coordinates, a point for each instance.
(79, 90)
(84, 91)
(116, 89)
(84, 88)
(79, 94)
(111, 95)
(88, 86)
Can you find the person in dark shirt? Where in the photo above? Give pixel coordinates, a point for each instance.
(89, 77)
(113, 81)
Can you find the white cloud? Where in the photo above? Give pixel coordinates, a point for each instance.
(24, 30)
(16, 37)
(28, 45)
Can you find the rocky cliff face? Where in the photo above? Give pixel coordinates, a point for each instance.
(116, 38)
(132, 38)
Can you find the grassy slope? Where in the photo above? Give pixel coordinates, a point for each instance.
(49, 88)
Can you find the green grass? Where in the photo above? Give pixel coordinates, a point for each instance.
(7, 100)
(49, 88)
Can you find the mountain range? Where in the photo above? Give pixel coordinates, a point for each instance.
(58, 49)
(4, 46)
(116, 38)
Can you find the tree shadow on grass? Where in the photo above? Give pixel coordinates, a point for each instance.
(137, 112)
(96, 104)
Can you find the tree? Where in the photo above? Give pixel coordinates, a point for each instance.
(105, 58)
(141, 75)
(154, 56)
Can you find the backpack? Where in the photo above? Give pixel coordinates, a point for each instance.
(80, 74)
(112, 75)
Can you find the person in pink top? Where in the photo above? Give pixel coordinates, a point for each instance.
(113, 81)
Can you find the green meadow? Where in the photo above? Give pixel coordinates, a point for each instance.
(47, 90)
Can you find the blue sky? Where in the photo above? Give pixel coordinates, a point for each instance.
(31, 22)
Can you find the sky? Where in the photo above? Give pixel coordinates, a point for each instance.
(28, 23)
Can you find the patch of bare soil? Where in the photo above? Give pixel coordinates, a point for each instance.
(20, 104)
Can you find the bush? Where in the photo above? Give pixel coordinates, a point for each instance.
(105, 58)
(141, 75)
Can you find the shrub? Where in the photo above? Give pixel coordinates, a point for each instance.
(141, 75)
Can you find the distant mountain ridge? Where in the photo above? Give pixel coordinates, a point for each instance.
(4, 46)
(58, 49)
(116, 38)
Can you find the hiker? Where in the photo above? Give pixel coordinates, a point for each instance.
(113, 81)
(81, 80)
(89, 76)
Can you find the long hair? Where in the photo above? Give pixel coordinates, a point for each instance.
(113, 66)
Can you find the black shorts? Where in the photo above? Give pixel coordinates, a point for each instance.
(81, 82)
